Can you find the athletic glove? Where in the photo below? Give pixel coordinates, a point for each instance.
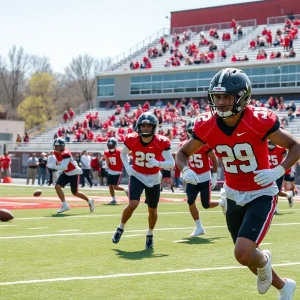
(267, 176)
(189, 176)
(214, 180)
(153, 162)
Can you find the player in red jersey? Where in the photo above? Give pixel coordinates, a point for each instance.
(199, 162)
(289, 181)
(238, 133)
(70, 174)
(276, 156)
(150, 152)
(115, 168)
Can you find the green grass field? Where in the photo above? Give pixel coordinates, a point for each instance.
(71, 256)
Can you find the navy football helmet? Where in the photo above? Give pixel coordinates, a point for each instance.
(147, 118)
(111, 143)
(59, 145)
(233, 82)
(271, 145)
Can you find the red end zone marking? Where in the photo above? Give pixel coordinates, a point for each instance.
(53, 202)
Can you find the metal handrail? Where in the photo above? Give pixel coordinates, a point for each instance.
(279, 19)
(58, 119)
(206, 27)
(132, 51)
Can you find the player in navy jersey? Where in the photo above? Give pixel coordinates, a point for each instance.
(238, 133)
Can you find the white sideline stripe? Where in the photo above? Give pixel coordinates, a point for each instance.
(68, 230)
(262, 244)
(135, 214)
(136, 274)
(7, 225)
(127, 231)
(35, 228)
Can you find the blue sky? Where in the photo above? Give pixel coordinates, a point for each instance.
(63, 29)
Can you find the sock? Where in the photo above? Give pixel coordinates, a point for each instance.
(198, 223)
(121, 226)
(276, 208)
(221, 202)
(114, 198)
(150, 232)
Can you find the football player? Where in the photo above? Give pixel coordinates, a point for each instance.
(115, 168)
(276, 156)
(150, 152)
(166, 180)
(238, 133)
(70, 174)
(199, 163)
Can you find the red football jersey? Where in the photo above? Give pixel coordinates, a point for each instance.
(114, 158)
(243, 148)
(66, 154)
(276, 156)
(142, 152)
(199, 162)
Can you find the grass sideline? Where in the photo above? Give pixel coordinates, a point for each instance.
(75, 257)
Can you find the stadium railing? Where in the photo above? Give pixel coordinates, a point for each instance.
(206, 27)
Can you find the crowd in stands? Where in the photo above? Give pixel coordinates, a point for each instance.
(278, 105)
(194, 54)
(123, 121)
(283, 37)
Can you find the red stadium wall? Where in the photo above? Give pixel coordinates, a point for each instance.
(260, 11)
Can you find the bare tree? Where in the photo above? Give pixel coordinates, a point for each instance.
(103, 64)
(40, 64)
(82, 69)
(13, 74)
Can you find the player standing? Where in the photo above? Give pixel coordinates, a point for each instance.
(115, 168)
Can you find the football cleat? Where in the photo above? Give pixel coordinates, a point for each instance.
(91, 203)
(63, 208)
(149, 242)
(113, 202)
(264, 275)
(286, 293)
(199, 230)
(117, 236)
(290, 197)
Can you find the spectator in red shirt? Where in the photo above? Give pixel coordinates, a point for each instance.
(129, 130)
(233, 23)
(127, 107)
(121, 130)
(96, 168)
(146, 105)
(71, 114)
(1, 167)
(6, 162)
(252, 45)
(66, 116)
(90, 136)
(233, 59)
(121, 138)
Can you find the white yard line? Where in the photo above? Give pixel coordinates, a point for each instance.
(135, 214)
(136, 274)
(127, 231)
(37, 228)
